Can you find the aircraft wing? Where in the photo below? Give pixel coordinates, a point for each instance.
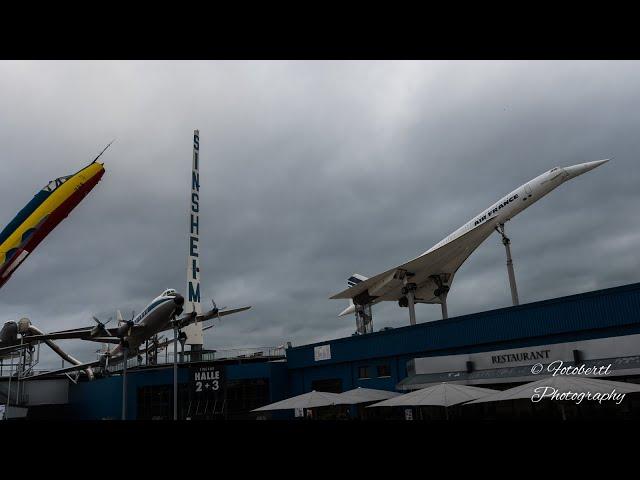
(217, 313)
(62, 335)
(73, 368)
(81, 333)
(188, 319)
(103, 339)
(445, 260)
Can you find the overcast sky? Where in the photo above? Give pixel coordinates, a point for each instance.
(312, 171)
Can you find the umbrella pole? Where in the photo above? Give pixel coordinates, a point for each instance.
(446, 413)
(564, 415)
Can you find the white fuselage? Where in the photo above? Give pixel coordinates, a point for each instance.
(154, 318)
(511, 204)
(499, 213)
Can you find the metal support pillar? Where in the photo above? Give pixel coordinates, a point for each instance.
(364, 319)
(195, 353)
(124, 383)
(9, 386)
(182, 338)
(441, 291)
(512, 277)
(443, 306)
(175, 373)
(409, 291)
(21, 362)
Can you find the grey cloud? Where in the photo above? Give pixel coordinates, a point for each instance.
(312, 171)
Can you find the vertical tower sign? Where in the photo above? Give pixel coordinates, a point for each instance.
(192, 304)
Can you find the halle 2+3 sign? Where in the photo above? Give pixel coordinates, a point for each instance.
(207, 378)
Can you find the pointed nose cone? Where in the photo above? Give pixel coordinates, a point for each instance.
(581, 168)
(348, 310)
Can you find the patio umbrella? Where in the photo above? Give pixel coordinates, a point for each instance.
(442, 394)
(364, 395)
(560, 384)
(306, 400)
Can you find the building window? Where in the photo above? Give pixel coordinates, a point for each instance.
(363, 372)
(384, 371)
(238, 399)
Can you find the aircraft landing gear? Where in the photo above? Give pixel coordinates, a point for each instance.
(364, 319)
(408, 298)
(409, 290)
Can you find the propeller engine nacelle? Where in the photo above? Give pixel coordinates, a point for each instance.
(124, 329)
(99, 330)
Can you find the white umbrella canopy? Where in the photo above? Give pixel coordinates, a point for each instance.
(364, 395)
(442, 395)
(563, 384)
(306, 400)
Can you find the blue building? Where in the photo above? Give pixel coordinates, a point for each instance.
(496, 347)
(479, 348)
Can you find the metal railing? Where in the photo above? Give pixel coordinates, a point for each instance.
(12, 367)
(270, 352)
(189, 356)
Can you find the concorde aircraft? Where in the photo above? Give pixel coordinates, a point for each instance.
(428, 277)
(159, 315)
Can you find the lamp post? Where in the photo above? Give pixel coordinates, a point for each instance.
(124, 384)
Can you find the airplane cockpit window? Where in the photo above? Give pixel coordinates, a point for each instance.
(169, 293)
(53, 184)
(553, 169)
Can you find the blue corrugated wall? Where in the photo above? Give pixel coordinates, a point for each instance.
(610, 312)
(102, 398)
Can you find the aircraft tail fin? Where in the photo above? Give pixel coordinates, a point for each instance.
(355, 279)
(352, 281)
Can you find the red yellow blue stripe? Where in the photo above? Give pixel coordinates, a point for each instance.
(42, 214)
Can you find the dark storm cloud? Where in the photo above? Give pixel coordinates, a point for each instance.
(312, 171)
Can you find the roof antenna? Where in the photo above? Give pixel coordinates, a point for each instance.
(105, 148)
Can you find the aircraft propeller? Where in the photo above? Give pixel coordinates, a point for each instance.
(124, 329)
(99, 330)
(215, 308)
